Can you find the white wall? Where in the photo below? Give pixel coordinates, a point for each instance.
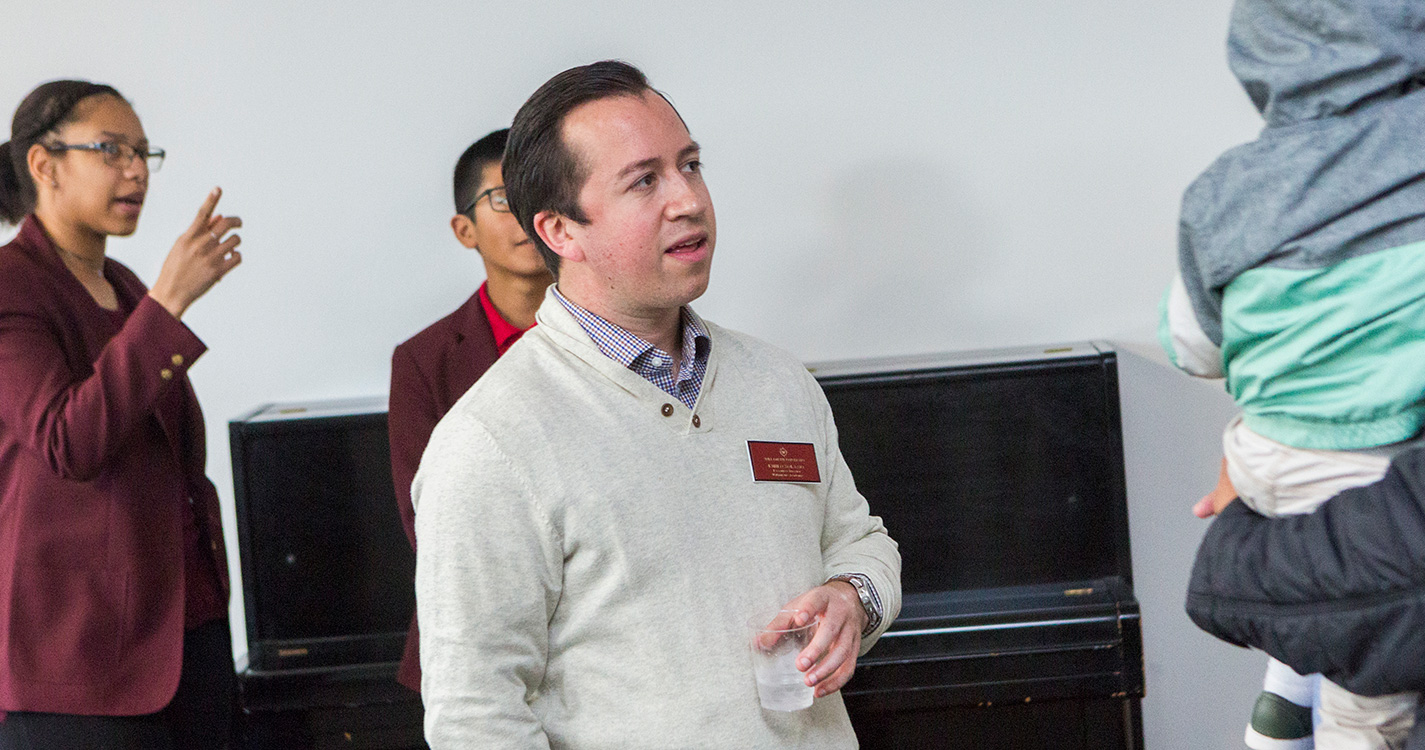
(1200, 690)
(891, 177)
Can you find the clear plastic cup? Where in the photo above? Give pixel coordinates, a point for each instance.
(775, 642)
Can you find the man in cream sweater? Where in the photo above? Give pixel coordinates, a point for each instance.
(602, 512)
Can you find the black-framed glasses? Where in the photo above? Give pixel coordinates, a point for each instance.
(116, 154)
(498, 201)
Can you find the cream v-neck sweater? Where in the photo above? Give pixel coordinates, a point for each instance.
(590, 550)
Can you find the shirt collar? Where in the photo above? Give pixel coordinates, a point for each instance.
(506, 333)
(621, 346)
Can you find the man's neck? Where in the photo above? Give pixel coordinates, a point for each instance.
(516, 297)
(661, 327)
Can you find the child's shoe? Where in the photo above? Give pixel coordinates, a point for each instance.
(1279, 724)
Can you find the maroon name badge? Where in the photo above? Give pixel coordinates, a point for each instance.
(783, 462)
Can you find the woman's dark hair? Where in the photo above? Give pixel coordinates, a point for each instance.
(541, 172)
(46, 108)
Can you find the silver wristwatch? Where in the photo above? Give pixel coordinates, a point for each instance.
(869, 601)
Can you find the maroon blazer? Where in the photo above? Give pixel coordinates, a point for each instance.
(429, 373)
(92, 487)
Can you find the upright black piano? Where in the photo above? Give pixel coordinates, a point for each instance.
(1000, 474)
(327, 579)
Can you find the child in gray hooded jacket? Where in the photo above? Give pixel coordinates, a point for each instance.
(1302, 281)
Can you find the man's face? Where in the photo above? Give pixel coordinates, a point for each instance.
(501, 241)
(648, 243)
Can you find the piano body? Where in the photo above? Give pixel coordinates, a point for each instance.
(999, 473)
(326, 579)
(1001, 476)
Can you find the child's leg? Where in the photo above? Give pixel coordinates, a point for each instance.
(1284, 681)
(1281, 720)
(1356, 722)
(1279, 480)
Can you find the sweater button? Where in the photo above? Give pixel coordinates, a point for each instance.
(697, 422)
(166, 374)
(178, 360)
(667, 410)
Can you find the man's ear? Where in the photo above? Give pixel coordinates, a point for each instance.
(464, 230)
(555, 230)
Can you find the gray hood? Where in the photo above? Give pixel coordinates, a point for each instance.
(1371, 49)
(1338, 171)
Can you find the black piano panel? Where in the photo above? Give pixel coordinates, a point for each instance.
(1005, 477)
(1001, 476)
(327, 570)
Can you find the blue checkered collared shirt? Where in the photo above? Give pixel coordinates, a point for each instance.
(682, 381)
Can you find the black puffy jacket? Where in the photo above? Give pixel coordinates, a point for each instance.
(1340, 591)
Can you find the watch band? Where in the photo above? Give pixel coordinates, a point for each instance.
(870, 602)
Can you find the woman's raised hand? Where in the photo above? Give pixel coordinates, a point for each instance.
(201, 256)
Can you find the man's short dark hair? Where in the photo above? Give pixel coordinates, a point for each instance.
(541, 173)
(470, 169)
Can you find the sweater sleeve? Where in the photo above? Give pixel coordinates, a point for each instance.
(1183, 337)
(853, 540)
(77, 424)
(488, 576)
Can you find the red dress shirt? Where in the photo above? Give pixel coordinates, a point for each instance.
(505, 332)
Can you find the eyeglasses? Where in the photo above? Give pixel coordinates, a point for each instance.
(117, 155)
(498, 201)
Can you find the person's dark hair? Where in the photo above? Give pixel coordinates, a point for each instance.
(49, 106)
(541, 173)
(470, 167)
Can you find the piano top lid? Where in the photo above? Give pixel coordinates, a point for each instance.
(873, 366)
(340, 407)
(1004, 602)
(879, 366)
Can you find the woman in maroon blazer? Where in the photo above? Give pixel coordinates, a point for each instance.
(113, 576)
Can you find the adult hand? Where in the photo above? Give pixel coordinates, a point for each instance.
(1220, 497)
(200, 257)
(830, 658)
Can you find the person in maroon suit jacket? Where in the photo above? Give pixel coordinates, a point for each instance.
(434, 368)
(113, 574)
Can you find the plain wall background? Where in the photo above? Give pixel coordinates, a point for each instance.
(893, 178)
(1200, 690)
